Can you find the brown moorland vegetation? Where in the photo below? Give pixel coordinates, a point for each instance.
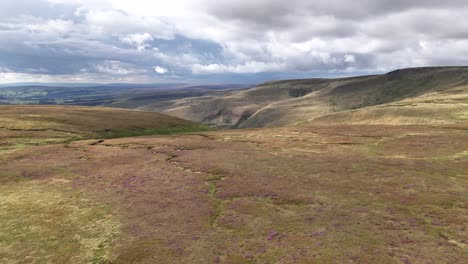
(322, 194)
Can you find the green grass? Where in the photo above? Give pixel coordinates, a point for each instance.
(217, 211)
(159, 131)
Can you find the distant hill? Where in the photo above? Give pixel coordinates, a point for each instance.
(438, 92)
(115, 95)
(295, 101)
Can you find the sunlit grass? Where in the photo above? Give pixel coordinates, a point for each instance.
(50, 223)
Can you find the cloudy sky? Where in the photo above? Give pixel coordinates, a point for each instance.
(224, 40)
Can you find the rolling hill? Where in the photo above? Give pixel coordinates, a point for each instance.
(445, 107)
(294, 101)
(22, 126)
(115, 95)
(280, 103)
(370, 169)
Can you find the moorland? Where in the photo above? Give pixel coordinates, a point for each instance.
(369, 169)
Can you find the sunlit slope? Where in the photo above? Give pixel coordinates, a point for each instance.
(37, 125)
(449, 107)
(293, 101)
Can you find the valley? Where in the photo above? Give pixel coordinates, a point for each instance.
(233, 132)
(376, 175)
(293, 101)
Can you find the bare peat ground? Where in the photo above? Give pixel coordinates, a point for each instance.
(326, 194)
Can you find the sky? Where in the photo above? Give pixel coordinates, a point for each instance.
(225, 41)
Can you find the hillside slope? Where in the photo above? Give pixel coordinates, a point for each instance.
(293, 101)
(38, 125)
(448, 107)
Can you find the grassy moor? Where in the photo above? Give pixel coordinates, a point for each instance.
(22, 126)
(233, 132)
(354, 193)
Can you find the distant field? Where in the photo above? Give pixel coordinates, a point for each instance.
(22, 126)
(322, 194)
(117, 95)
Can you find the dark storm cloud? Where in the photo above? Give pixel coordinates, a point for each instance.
(272, 12)
(343, 18)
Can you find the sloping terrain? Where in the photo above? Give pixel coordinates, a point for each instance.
(375, 171)
(266, 105)
(290, 102)
(331, 194)
(447, 107)
(22, 126)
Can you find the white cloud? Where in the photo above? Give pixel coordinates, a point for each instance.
(160, 70)
(116, 68)
(249, 67)
(138, 40)
(52, 26)
(349, 58)
(77, 12)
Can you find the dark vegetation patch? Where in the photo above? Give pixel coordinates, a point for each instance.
(299, 92)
